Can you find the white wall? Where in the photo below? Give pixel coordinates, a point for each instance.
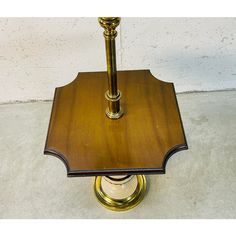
(39, 54)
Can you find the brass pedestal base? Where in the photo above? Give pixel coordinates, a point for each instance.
(122, 204)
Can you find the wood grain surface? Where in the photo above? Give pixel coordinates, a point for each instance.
(140, 142)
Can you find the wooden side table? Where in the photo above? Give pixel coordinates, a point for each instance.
(120, 140)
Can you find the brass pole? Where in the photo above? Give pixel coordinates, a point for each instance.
(113, 95)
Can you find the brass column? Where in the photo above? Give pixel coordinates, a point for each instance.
(113, 95)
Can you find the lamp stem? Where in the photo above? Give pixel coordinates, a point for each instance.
(113, 95)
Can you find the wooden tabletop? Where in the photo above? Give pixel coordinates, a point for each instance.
(140, 142)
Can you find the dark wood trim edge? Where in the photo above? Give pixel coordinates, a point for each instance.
(133, 171)
(179, 147)
(60, 156)
(171, 152)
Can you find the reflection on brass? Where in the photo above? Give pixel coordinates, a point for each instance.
(121, 204)
(113, 96)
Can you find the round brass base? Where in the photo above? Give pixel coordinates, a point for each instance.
(123, 204)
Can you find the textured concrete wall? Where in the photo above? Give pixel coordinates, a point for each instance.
(39, 54)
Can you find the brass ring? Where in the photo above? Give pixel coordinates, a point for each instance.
(112, 115)
(114, 98)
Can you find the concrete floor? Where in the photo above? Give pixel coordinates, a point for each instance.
(199, 183)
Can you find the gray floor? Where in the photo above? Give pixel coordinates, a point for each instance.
(199, 183)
